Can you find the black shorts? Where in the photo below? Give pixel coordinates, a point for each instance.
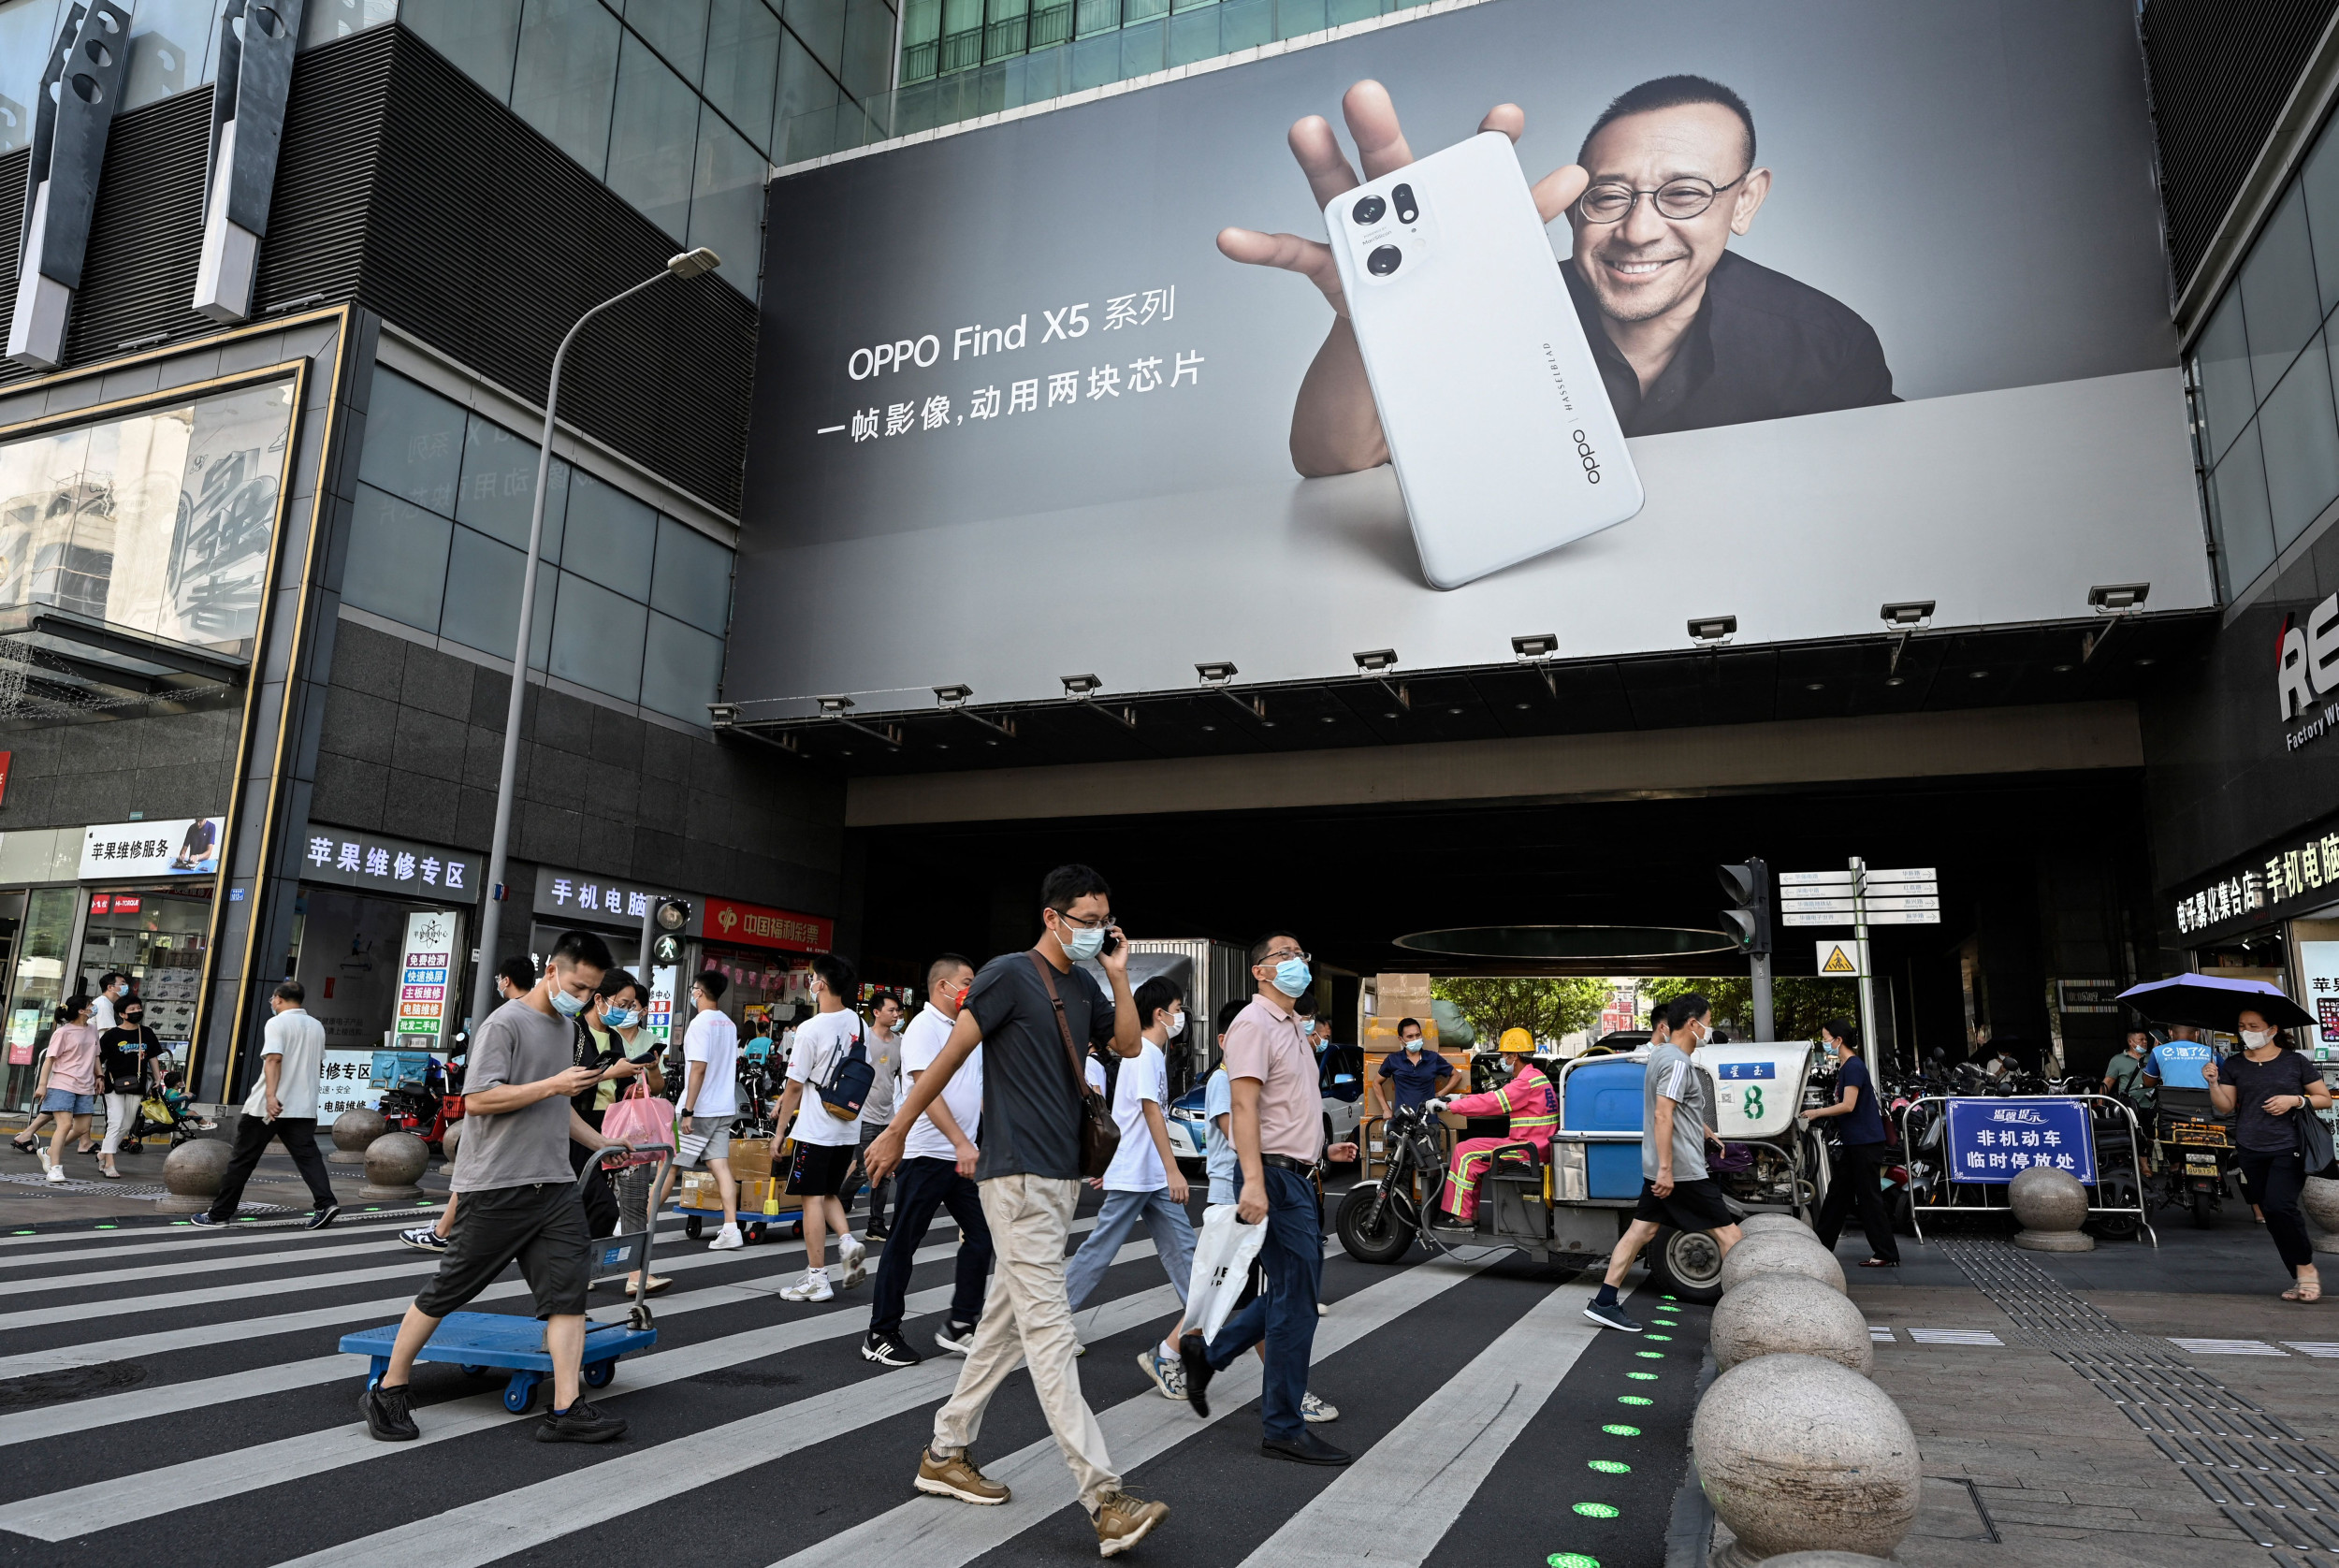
(818, 1170)
(1694, 1206)
(541, 1225)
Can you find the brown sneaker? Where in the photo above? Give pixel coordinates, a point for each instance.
(1124, 1520)
(958, 1478)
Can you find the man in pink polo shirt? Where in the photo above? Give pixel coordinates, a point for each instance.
(1278, 1127)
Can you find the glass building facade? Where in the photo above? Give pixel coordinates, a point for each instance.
(678, 106)
(961, 59)
(630, 604)
(158, 523)
(2265, 427)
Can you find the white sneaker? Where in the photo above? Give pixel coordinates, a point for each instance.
(851, 1255)
(1323, 1309)
(43, 1152)
(726, 1238)
(1313, 1410)
(56, 1173)
(812, 1288)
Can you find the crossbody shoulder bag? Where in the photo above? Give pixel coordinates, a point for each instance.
(1100, 1140)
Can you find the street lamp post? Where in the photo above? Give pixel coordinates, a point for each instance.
(689, 264)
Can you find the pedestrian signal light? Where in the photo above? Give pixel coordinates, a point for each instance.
(1747, 919)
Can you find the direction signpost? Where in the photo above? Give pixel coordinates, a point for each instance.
(1859, 897)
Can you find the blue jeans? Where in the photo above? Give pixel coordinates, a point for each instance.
(1172, 1233)
(1284, 1315)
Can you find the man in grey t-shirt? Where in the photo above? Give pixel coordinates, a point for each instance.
(519, 1198)
(1675, 1191)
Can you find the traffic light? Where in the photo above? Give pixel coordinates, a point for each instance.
(1749, 919)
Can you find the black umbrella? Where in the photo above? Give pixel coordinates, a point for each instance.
(2206, 1002)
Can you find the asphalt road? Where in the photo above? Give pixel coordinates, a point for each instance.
(165, 1389)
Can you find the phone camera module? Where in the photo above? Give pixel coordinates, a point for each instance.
(1407, 208)
(1384, 260)
(1370, 212)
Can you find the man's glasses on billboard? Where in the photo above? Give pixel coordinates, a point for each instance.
(1612, 202)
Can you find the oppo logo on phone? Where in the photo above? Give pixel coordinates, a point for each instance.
(1591, 464)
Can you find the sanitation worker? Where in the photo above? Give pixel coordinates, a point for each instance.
(1525, 1099)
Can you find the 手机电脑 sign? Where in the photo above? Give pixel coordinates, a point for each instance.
(1992, 1139)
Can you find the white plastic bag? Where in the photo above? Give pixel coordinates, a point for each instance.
(1222, 1262)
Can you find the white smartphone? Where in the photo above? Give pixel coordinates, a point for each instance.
(1504, 443)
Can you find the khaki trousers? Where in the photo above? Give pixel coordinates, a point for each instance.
(1026, 1317)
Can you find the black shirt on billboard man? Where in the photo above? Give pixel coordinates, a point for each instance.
(1688, 335)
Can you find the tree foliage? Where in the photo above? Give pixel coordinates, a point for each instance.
(1800, 1004)
(1546, 1007)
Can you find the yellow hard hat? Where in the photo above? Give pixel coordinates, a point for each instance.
(1518, 1042)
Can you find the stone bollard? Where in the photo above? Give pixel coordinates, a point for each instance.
(394, 1166)
(2052, 1205)
(448, 1141)
(354, 1132)
(1780, 1253)
(2320, 1199)
(1827, 1560)
(1797, 1454)
(191, 1175)
(1775, 1314)
(1782, 1225)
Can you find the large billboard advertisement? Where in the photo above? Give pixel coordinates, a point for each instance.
(1844, 304)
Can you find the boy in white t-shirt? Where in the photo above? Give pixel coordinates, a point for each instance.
(936, 1172)
(1144, 1184)
(826, 1142)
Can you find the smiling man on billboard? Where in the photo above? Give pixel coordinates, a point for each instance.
(1688, 334)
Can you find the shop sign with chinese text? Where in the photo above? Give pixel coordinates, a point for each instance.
(425, 973)
(2296, 878)
(581, 895)
(377, 862)
(188, 847)
(1992, 1139)
(755, 925)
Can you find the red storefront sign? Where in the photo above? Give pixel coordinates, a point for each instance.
(755, 925)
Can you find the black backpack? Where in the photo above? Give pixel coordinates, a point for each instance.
(849, 1082)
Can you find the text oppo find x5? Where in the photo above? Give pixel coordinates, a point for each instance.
(1497, 421)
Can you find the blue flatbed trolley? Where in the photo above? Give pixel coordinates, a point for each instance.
(481, 1342)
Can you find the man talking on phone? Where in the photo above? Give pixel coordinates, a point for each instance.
(1688, 335)
(1032, 1013)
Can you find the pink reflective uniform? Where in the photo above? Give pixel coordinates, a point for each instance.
(1526, 1100)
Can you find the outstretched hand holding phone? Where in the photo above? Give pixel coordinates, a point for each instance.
(1335, 427)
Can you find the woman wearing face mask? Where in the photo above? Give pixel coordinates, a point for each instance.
(2266, 1086)
(614, 1023)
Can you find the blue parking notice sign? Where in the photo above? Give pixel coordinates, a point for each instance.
(1994, 1139)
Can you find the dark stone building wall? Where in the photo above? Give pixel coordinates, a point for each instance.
(411, 739)
(101, 770)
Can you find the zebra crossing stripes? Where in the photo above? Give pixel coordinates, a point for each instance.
(103, 1504)
(1135, 1430)
(479, 1532)
(1406, 1492)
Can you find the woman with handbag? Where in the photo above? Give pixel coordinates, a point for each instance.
(2273, 1093)
(626, 1103)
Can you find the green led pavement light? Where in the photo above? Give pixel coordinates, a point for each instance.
(1632, 1398)
(1611, 1467)
(1662, 1339)
(1572, 1560)
(1642, 1377)
(1650, 1355)
(1598, 1510)
(1616, 1430)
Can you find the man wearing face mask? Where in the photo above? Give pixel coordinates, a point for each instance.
(1674, 1187)
(1029, 1012)
(1278, 1124)
(520, 1196)
(1525, 1097)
